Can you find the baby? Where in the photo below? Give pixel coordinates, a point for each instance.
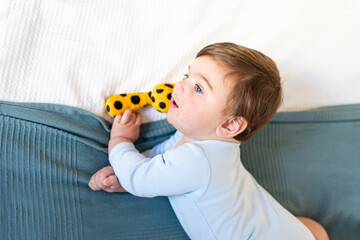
(229, 93)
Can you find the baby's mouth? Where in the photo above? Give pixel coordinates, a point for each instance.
(173, 103)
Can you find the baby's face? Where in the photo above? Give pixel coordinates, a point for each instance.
(199, 100)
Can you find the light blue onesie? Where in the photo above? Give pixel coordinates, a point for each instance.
(212, 194)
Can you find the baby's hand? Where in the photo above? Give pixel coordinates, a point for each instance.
(105, 179)
(125, 128)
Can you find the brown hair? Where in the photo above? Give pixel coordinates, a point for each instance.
(256, 92)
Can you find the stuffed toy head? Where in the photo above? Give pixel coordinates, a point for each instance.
(159, 98)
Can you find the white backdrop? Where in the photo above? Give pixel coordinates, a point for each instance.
(78, 52)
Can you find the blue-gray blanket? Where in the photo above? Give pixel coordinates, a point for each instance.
(48, 154)
(309, 161)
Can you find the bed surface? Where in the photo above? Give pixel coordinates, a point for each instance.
(78, 53)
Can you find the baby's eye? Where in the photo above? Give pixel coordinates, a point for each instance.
(198, 88)
(186, 76)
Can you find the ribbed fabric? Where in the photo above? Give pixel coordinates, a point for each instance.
(47, 155)
(38, 182)
(267, 162)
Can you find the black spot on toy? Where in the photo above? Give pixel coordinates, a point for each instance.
(135, 99)
(118, 105)
(162, 105)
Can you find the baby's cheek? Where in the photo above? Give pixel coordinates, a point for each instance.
(194, 120)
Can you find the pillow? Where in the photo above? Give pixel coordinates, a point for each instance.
(310, 162)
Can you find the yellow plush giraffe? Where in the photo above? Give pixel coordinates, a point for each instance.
(159, 98)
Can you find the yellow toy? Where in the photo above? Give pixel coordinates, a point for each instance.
(159, 98)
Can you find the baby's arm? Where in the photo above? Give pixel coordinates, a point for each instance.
(125, 128)
(178, 171)
(105, 179)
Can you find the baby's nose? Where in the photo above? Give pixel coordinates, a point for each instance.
(179, 86)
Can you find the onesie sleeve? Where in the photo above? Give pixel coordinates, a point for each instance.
(164, 146)
(178, 171)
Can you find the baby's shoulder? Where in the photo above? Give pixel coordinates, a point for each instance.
(216, 148)
(189, 149)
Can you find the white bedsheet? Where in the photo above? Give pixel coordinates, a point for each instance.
(78, 52)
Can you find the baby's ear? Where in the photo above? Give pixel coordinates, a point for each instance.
(232, 127)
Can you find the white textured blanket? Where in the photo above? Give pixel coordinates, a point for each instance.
(78, 52)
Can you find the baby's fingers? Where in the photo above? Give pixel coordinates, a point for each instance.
(138, 119)
(94, 184)
(91, 184)
(117, 119)
(133, 118)
(113, 185)
(126, 116)
(111, 180)
(96, 181)
(108, 170)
